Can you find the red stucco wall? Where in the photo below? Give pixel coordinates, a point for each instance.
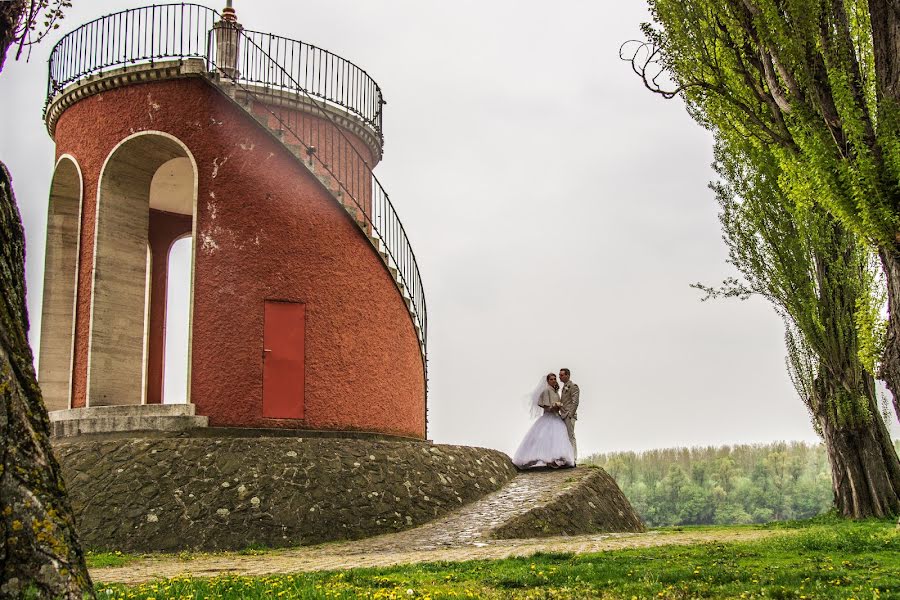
(266, 229)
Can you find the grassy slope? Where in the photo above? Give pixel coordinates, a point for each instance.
(822, 558)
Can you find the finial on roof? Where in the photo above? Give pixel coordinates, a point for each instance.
(228, 13)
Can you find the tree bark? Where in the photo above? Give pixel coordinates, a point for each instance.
(890, 362)
(885, 18)
(40, 555)
(11, 14)
(865, 470)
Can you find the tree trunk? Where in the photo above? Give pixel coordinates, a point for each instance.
(890, 363)
(39, 551)
(865, 470)
(11, 13)
(885, 18)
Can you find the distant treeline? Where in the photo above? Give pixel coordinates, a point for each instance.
(723, 485)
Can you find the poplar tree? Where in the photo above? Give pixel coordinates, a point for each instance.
(817, 83)
(824, 283)
(40, 556)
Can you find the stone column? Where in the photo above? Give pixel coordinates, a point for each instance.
(228, 42)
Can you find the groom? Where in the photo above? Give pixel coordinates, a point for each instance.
(568, 399)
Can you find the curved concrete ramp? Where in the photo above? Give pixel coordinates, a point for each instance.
(534, 504)
(589, 501)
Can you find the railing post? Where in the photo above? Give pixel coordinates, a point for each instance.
(228, 42)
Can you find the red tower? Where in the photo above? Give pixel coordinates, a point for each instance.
(307, 308)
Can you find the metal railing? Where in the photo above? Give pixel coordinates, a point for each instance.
(178, 31)
(173, 31)
(318, 72)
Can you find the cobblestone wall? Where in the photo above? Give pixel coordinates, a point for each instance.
(214, 494)
(593, 503)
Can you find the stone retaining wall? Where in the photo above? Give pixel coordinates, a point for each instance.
(191, 493)
(593, 503)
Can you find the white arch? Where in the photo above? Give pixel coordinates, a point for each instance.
(60, 295)
(118, 298)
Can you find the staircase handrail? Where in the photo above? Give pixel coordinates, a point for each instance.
(391, 231)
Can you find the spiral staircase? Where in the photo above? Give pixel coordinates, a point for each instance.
(261, 73)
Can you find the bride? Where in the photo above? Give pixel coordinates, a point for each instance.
(547, 442)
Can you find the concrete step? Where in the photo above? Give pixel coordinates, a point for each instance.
(113, 419)
(130, 410)
(73, 427)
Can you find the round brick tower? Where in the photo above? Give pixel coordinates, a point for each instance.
(307, 309)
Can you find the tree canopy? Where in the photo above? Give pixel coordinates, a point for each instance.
(814, 84)
(723, 485)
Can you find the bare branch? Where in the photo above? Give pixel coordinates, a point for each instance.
(646, 65)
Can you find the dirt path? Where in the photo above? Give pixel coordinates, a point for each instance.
(383, 551)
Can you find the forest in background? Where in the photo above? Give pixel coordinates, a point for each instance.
(723, 485)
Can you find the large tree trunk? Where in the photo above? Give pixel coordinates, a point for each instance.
(890, 362)
(865, 470)
(39, 550)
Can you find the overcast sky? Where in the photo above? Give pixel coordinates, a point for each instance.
(557, 209)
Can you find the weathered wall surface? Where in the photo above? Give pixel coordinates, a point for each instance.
(206, 493)
(266, 229)
(594, 503)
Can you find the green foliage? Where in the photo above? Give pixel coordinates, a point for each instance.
(801, 79)
(819, 277)
(870, 325)
(830, 559)
(808, 93)
(723, 485)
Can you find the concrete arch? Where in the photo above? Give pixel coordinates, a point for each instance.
(60, 277)
(118, 355)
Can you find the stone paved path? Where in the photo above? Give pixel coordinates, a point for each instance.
(462, 535)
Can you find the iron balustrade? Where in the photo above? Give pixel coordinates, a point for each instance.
(282, 68)
(177, 31)
(129, 37)
(318, 72)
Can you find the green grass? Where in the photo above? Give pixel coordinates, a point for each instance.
(825, 558)
(97, 560)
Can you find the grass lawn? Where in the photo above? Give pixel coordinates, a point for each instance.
(825, 558)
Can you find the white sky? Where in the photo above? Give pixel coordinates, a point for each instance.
(558, 212)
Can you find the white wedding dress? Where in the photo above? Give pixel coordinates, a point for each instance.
(547, 442)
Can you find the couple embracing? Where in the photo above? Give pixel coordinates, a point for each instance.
(551, 440)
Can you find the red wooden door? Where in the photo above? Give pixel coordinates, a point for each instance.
(283, 367)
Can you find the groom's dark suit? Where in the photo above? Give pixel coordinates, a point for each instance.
(569, 410)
